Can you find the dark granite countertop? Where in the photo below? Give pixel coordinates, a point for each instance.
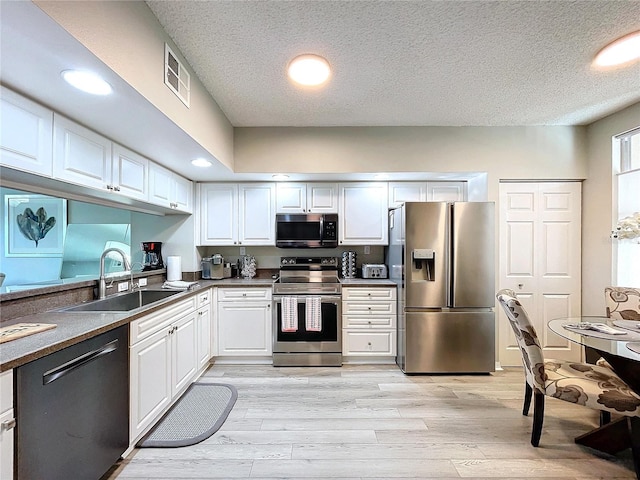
(74, 327)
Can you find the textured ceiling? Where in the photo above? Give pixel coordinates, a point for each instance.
(408, 62)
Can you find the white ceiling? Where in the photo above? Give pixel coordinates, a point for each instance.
(445, 63)
(395, 63)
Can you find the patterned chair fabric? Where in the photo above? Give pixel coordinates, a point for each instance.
(580, 383)
(623, 303)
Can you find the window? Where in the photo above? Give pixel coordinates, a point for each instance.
(626, 205)
(629, 150)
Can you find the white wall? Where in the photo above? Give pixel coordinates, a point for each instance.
(128, 38)
(503, 152)
(597, 219)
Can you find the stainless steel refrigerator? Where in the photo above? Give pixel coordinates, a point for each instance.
(442, 258)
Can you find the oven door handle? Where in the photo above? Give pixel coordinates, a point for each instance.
(328, 298)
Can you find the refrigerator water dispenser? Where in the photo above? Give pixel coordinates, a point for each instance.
(425, 257)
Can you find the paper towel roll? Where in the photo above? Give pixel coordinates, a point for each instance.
(174, 268)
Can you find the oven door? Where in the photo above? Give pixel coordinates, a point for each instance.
(328, 339)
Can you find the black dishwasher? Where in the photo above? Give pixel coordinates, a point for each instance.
(72, 410)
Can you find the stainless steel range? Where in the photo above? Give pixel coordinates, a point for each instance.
(307, 314)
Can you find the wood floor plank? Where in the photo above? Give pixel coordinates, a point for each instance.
(373, 422)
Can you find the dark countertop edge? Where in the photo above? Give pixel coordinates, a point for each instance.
(114, 320)
(105, 321)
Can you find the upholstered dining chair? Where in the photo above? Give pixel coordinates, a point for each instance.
(623, 303)
(580, 383)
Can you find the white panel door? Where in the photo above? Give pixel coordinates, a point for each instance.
(446, 191)
(257, 207)
(218, 214)
(291, 197)
(150, 381)
(322, 198)
(363, 213)
(184, 353)
(244, 328)
(26, 134)
(130, 173)
(80, 155)
(183, 194)
(540, 244)
(401, 192)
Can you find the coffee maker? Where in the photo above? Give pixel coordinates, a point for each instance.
(213, 267)
(151, 256)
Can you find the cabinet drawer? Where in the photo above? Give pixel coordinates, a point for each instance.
(154, 322)
(369, 321)
(204, 298)
(368, 343)
(377, 293)
(368, 308)
(243, 294)
(6, 390)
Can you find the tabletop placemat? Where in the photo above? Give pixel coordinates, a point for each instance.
(606, 336)
(20, 330)
(632, 325)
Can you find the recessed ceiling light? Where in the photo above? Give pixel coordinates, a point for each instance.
(309, 70)
(280, 176)
(621, 51)
(86, 81)
(201, 162)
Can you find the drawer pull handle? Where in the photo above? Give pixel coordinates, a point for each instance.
(8, 424)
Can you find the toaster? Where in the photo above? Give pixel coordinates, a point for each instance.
(374, 270)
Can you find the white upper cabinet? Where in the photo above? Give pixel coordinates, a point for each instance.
(80, 155)
(129, 173)
(83, 157)
(257, 208)
(26, 134)
(306, 198)
(169, 189)
(218, 211)
(446, 191)
(232, 214)
(363, 213)
(401, 192)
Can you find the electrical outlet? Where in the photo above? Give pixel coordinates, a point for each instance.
(367, 249)
(123, 286)
(142, 282)
(243, 251)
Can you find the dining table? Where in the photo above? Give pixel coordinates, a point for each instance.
(622, 351)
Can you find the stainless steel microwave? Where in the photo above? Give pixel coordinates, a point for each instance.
(312, 230)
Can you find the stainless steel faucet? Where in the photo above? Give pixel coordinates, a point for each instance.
(102, 288)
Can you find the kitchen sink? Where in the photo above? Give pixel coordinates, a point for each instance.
(123, 302)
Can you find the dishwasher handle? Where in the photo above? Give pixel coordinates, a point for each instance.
(62, 370)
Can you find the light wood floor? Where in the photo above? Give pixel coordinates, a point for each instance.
(374, 422)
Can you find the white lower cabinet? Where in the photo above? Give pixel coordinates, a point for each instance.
(244, 322)
(369, 319)
(203, 329)
(163, 362)
(7, 424)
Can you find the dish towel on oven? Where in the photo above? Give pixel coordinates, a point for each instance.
(313, 314)
(289, 314)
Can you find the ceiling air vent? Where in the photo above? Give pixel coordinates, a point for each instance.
(176, 76)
